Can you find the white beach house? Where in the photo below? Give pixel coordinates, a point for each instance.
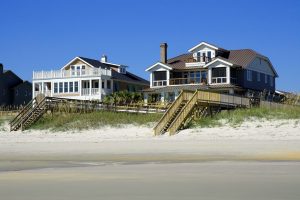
(86, 79)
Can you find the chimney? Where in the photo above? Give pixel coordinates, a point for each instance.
(1, 68)
(103, 58)
(163, 52)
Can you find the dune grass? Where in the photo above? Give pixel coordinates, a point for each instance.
(238, 116)
(80, 121)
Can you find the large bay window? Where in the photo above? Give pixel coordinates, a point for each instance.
(160, 78)
(219, 75)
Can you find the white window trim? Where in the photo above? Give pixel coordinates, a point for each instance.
(249, 75)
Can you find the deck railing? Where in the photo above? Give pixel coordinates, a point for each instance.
(70, 73)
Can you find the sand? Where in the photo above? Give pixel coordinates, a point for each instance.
(257, 160)
(253, 140)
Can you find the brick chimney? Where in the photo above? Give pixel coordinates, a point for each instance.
(163, 52)
(103, 58)
(1, 68)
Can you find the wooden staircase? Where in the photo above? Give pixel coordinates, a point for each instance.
(29, 114)
(38, 106)
(183, 108)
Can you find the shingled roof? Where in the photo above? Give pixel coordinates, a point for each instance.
(129, 77)
(240, 57)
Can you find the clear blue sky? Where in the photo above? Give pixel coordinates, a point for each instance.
(46, 34)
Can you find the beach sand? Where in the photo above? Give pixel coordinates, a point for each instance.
(257, 160)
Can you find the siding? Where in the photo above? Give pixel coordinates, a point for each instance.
(8, 80)
(258, 85)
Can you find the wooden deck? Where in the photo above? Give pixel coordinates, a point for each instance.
(190, 103)
(38, 106)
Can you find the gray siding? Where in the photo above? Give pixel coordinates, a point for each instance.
(22, 94)
(8, 80)
(258, 85)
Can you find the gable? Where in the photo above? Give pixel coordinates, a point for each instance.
(203, 46)
(218, 63)
(159, 67)
(76, 61)
(262, 65)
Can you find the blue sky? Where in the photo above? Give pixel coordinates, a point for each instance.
(42, 34)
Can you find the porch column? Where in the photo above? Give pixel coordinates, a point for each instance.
(90, 87)
(228, 75)
(52, 88)
(168, 77)
(79, 87)
(209, 76)
(43, 85)
(146, 98)
(162, 96)
(151, 81)
(33, 89)
(100, 88)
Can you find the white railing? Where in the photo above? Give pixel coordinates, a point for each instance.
(215, 80)
(85, 92)
(95, 91)
(159, 83)
(70, 73)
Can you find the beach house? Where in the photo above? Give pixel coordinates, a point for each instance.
(13, 90)
(210, 67)
(86, 79)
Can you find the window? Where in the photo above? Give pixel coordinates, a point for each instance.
(108, 84)
(219, 75)
(249, 75)
(198, 56)
(76, 86)
(78, 70)
(73, 70)
(66, 87)
(103, 84)
(258, 76)
(198, 75)
(17, 92)
(96, 85)
(71, 88)
(203, 77)
(83, 70)
(266, 78)
(55, 87)
(271, 81)
(60, 87)
(209, 56)
(203, 57)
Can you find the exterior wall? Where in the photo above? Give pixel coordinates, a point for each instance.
(158, 68)
(41, 84)
(76, 62)
(218, 65)
(22, 94)
(261, 65)
(258, 85)
(8, 80)
(125, 86)
(204, 49)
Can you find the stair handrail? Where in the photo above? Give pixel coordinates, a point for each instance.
(38, 105)
(166, 116)
(21, 114)
(181, 116)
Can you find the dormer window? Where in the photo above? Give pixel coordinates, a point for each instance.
(122, 70)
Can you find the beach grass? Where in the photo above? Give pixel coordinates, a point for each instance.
(238, 116)
(80, 121)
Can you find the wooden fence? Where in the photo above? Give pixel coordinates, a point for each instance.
(273, 105)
